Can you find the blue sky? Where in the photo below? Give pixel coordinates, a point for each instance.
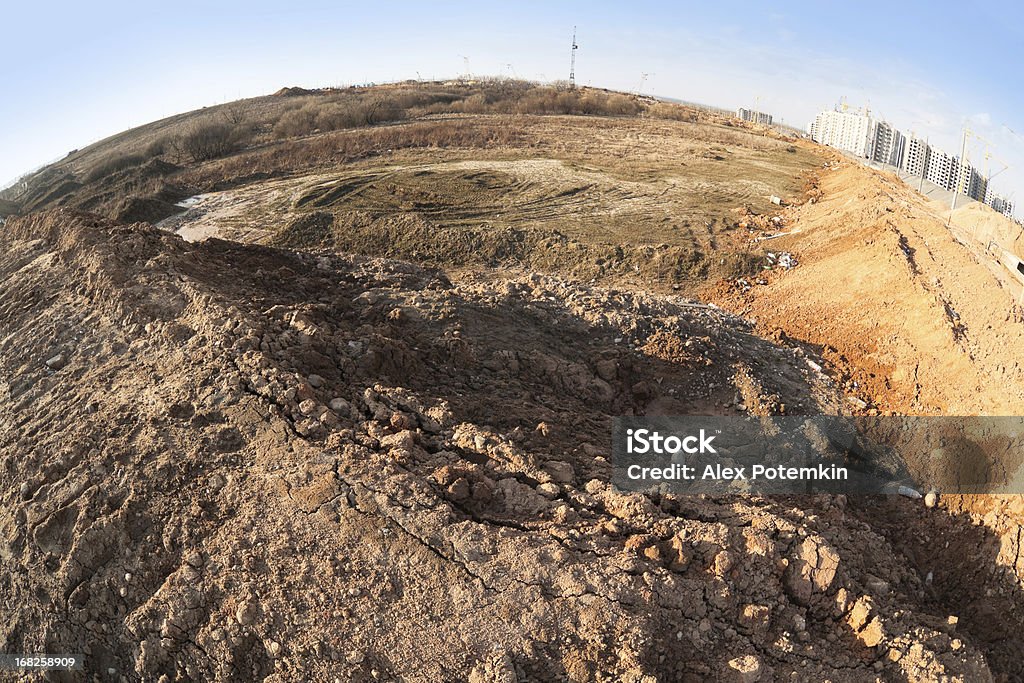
(77, 72)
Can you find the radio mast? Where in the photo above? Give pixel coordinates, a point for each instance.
(572, 61)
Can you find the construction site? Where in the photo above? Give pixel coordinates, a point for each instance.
(319, 386)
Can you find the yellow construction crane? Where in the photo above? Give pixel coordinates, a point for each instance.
(989, 156)
(968, 133)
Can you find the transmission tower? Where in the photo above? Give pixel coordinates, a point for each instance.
(643, 79)
(572, 61)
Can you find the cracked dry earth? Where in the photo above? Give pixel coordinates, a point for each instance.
(225, 462)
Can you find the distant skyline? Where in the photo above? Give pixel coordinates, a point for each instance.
(78, 72)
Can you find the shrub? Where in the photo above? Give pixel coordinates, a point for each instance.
(158, 147)
(342, 113)
(673, 112)
(113, 164)
(350, 145)
(295, 123)
(211, 140)
(544, 100)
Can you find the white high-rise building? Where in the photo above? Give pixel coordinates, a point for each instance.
(940, 169)
(850, 131)
(978, 187)
(754, 116)
(915, 157)
(1001, 204)
(888, 145)
(960, 176)
(966, 180)
(858, 133)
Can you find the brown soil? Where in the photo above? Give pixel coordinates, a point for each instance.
(636, 203)
(255, 464)
(918, 318)
(271, 459)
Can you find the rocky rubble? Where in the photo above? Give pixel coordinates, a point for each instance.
(252, 464)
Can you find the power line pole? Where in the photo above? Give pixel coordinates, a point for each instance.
(960, 172)
(924, 164)
(643, 79)
(572, 61)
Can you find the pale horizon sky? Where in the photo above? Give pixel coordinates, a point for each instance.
(79, 72)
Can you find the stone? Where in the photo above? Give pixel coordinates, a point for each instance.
(403, 440)
(548, 490)
(56, 362)
(315, 381)
(872, 634)
(723, 563)
(755, 617)
(340, 406)
(856, 402)
(877, 586)
(607, 369)
(860, 613)
(246, 613)
(745, 669)
(931, 499)
(304, 391)
(812, 570)
(459, 490)
(562, 472)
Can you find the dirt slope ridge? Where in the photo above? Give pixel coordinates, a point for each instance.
(227, 462)
(896, 300)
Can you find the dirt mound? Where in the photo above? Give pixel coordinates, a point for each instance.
(293, 92)
(984, 225)
(915, 316)
(145, 209)
(230, 462)
(413, 236)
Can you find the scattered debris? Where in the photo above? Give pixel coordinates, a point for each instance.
(856, 402)
(908, 492)
(783, 259)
